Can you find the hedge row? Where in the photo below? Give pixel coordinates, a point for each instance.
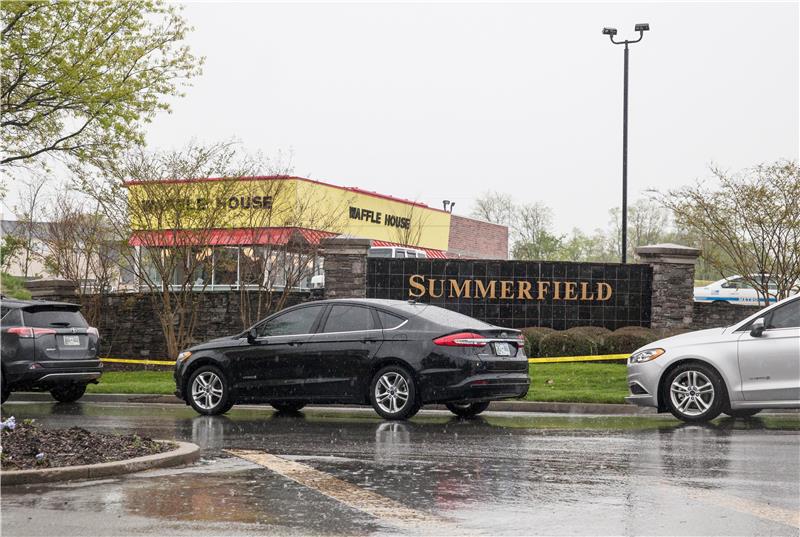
(589, 340)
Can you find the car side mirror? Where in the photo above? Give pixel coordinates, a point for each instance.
(757, 328)
(252, 336)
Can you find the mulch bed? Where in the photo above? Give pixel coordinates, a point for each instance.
(69, 447)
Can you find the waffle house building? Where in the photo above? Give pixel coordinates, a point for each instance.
(233, 221)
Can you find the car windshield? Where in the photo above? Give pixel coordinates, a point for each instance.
(53, 317)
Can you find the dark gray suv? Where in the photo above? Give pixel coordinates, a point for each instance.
(47, 346)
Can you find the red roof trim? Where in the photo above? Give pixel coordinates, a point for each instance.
(288, 178)
(226, 237)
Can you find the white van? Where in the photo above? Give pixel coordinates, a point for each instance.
(395, 252)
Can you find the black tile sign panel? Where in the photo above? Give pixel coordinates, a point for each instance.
(520, 294)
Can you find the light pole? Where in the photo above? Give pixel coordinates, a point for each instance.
(611, 32)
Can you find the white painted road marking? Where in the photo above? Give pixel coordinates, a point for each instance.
(351, 495)
(742, 505)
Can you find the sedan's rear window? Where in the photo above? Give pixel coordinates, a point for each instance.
(53, 317)
(347, 318)
(451, 318)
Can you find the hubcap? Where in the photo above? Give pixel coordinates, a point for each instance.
(207, 390)
(391, 392)
(692, 393)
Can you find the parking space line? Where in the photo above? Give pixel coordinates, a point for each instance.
(351, 495)
(742, 505)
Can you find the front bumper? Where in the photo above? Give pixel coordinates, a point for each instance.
(643, 382)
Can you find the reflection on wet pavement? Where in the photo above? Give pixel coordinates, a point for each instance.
(500, 474)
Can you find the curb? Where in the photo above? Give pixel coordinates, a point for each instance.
(184, 454)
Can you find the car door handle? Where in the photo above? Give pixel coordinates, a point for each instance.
(295, 343)
(369, 340)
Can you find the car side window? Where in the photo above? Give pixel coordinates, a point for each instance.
(389, 321)
(787, 316)
(346, 318)
(10, 317)
(299, 321)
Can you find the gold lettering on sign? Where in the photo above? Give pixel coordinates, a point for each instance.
(543, 288)
(569, 291)
(457, 291)
(419, 286)
(432, 284)
(525, 291)
(483, 289)
(557, 290)
(415, 282)
(601, 295)
(506, 289)
(585, 292)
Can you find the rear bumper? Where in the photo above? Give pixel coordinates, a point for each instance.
(486, 387)
(47, 377)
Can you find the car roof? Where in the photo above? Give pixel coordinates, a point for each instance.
(21, 303)
(403, 306)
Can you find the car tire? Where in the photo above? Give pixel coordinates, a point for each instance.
(6, 392)
(68, 393)
(694, 392)
(393, 393)
(467, 410)
(287, 406)
(208, 391)
(743, 412)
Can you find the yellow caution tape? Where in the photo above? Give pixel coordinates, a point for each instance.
(552, 360)
(595, 358)
(139, 362)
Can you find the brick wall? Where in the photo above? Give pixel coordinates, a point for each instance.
(476, 239)
(716, 314)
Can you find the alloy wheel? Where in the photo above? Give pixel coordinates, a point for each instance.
(207, 390)
(692, 393)
(391, 392)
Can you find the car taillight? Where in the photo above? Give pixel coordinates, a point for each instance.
(462, 339)
(28, 332)
(92, 331)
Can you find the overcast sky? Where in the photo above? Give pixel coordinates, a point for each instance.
(444, 101)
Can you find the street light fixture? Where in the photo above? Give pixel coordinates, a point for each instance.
(611, 32)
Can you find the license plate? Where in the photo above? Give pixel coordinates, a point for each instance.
(502, 349)
(72, 341)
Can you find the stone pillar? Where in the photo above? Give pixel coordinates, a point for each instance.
(673, 283)
(345, 267)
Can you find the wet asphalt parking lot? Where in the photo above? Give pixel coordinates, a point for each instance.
(346, 472)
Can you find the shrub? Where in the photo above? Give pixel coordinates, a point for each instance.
(597, 334)
(566, 344)
(625, 342)
(533, 338)
(641, 331)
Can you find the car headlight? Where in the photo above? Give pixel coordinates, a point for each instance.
(645, 355)
(182, 357)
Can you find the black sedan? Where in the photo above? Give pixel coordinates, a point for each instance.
(394, 355)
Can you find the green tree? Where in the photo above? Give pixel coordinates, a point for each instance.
(79, 78)
(753, 218)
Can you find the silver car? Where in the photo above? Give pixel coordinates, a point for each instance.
(738, 370)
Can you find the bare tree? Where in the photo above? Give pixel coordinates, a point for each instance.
(280, 244)
(28, 213)
(495, 207)
(81, 248)
(171, 222)
(753, 217)
(411, 220)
